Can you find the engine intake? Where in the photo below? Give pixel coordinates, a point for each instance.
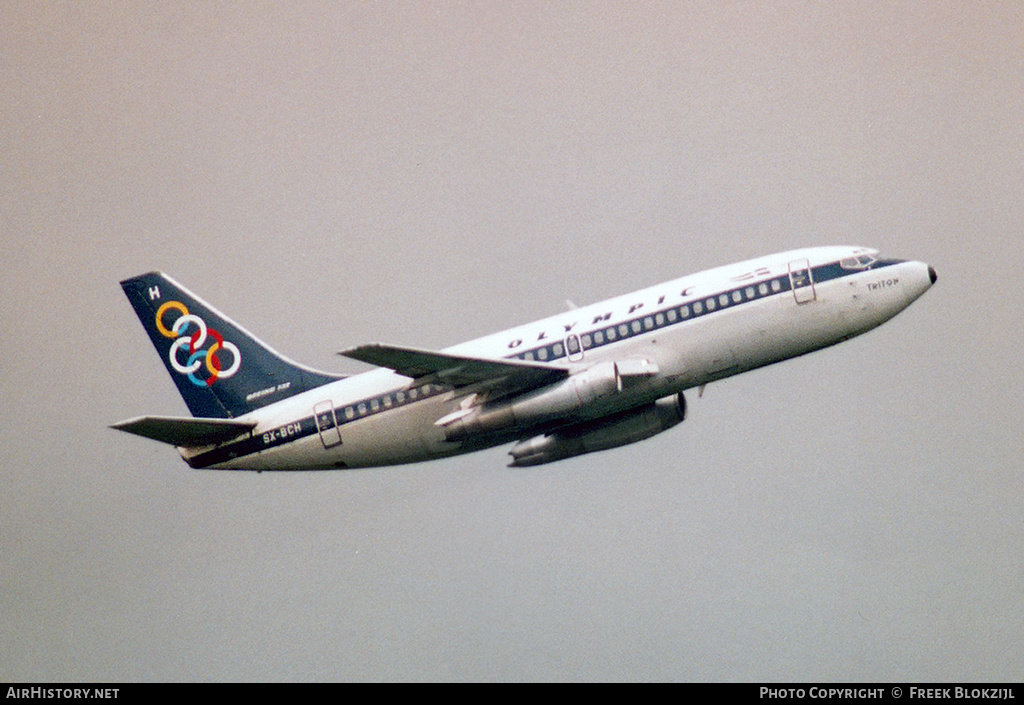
(610, 432)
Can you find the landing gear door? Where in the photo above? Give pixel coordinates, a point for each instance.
(327, 424)
(801, 281)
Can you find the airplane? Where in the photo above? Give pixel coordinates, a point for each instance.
(588, 379)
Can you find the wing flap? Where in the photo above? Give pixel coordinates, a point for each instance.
(458, 370)
(185, 432)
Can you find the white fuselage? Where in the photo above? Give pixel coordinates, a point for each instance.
(688, 332)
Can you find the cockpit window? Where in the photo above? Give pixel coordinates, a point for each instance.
(861, 262)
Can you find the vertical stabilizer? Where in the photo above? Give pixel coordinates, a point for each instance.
(221, 370)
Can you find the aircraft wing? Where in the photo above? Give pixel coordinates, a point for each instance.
(458, 370)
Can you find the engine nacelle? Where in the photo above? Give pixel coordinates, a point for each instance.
(554, 401)
(610, 432)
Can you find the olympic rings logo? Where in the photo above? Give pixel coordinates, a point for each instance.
(197, 356)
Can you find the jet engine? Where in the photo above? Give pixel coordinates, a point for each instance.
(554, 401)
(610, 432)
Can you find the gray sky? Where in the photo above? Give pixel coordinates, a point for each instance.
(424, 173)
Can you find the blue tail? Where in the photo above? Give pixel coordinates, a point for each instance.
(221, 370)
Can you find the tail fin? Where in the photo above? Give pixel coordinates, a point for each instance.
(221, 370)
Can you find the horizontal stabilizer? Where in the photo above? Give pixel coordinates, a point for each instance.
(458, 370)
(184, 431)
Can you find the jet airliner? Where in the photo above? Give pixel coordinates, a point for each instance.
(589, 379)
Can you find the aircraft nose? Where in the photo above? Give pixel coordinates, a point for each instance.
(931, 274)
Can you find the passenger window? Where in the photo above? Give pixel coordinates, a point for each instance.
(557, 350)
(612, 335)
(542, 354)
(362, 409)
(623, 330)
(350, 413)
(710, 304)
(648, 323)
(599, 337)
(776, 286)
(635, 325)
(672, 315)
(762, 288)
(659, 319)
(585, 339)
(750, 292)
(698, 308)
